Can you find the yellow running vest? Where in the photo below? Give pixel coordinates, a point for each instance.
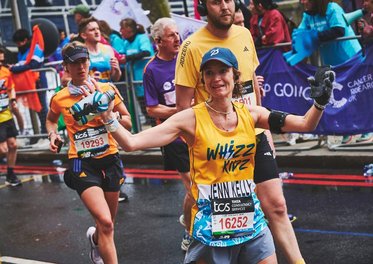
(227, 211)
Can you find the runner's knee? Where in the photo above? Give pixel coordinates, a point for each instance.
(106, 225)
(12, 146)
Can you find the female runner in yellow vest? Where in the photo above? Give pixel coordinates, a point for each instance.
(227, 221)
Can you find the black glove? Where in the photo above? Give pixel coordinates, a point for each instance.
(322, 86)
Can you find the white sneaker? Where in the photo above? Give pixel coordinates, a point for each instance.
(348, 139)
(182, 220)
(365, 138)
(94, 254)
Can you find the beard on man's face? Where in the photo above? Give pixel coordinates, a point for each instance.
(216, 21)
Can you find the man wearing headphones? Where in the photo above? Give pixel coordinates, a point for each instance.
(220, 31)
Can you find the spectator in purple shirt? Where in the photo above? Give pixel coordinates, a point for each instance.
(160, 101)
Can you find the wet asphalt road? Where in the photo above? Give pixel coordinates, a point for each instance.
(45, 221)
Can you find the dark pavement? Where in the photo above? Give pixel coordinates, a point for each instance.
(45, 221)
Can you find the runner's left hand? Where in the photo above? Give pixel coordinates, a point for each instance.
(322, 85)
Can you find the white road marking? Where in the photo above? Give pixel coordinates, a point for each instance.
(13, 260)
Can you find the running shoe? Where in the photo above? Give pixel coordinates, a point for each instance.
(292, 218)
(12, 180)
(94, 254)
(123, 197)
(365, 138)
(182, 220)
(347, 139)
(186, 241)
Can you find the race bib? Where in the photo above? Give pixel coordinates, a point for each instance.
(248, 95)
(232, 217)
(91, 142)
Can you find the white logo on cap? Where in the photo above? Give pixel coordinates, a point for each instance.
(214, 52)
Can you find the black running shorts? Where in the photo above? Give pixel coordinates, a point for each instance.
(265, 163)
(106, 173)
(176, 156)
(8, 129)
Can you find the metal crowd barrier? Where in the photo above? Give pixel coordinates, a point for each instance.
(33, 124)
(134, 104)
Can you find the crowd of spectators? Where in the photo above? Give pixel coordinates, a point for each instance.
(114, 56)
(113, 53)
(131, 45)
(268, 25)
(365, 25)
(321, 24)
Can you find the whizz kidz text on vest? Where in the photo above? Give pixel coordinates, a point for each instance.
(235, 156)
(288, 90)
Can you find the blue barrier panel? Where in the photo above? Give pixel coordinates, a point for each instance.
(351, 109)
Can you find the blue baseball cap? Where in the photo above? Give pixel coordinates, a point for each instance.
(223, 55)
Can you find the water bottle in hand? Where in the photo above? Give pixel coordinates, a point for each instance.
(87, 108)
